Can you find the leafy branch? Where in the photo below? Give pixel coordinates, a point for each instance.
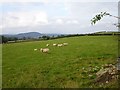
(100, 16)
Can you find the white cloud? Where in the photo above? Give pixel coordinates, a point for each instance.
(74, 17)
(59, 1)
(59, 21)
(1, 29)
(22, 19)
(69, 22)
(72, 22)
(75, 22)
(84, 26)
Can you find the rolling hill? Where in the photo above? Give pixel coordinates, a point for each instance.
(30, 35)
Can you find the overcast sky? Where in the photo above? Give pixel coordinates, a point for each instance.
(56, 17)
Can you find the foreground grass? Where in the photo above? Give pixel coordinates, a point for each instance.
(0, 65)
(63, 67)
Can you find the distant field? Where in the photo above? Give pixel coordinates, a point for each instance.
(62, 67)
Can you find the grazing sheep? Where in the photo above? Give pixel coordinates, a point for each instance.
(65, 44)
(44, 50)
(54, 44)
(47, 45)
(60, 45)
(35, 49)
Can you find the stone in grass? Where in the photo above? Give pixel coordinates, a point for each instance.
(107, 82)
(90, 75)
(106, 74)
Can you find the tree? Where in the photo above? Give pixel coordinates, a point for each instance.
(45, 37)
(24, 38)
(101, 15)
(12, 38)
(4, 39)
(0, 39)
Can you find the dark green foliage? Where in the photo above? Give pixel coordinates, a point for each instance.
(4, 39)
(101, 15)
(45, 37)
(0, 39)
(98, 17)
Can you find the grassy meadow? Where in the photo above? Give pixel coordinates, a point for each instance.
(0, 66)
(63, 67)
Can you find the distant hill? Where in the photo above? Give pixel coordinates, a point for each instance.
(26, 35)
(36, 35)
(107, 32)
(30, 35)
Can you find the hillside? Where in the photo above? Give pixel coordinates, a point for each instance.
(72, 66)
(29, 35)
(34, 35)
(108, 32)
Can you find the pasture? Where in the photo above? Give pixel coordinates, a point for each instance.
(63, 67)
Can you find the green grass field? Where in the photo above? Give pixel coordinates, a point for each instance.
(63, 67)
(0, 66)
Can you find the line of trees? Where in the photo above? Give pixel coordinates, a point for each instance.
(4, 39)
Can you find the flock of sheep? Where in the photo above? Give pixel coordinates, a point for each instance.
(46, 50)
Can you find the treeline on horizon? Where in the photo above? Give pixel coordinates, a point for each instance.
(4, 39)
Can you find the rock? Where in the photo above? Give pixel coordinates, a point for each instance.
(106, 74)
(101, 72)
(106, 81)
(90, 75)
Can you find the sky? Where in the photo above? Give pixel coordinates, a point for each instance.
(65, 17)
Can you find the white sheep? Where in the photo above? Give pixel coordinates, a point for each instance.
(35, 49)
(44, 50)
(65, 44)
(54, 44)
(60, 45)
(47, 45)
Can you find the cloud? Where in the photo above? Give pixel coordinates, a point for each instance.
(78, 9)
(59, 1)
(75, 22)
(22, 19)
(72, 21)
(54, 17)
(59, 21)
